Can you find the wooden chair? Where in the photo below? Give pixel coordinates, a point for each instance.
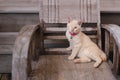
(33, 58)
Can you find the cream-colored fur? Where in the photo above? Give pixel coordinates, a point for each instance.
(82, 46)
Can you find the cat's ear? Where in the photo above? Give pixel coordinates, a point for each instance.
(68, 19)
(80, 22)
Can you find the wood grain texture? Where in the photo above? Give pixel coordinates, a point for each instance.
(57, 11)
(6, 49)
(58, 67)
(5, 63)
(86, 10)
(114, 31)
(21, 63)
(8, 38)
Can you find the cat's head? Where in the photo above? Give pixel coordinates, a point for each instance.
(74, 26)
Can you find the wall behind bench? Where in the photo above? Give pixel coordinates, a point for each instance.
(17, 13)
(14, 21)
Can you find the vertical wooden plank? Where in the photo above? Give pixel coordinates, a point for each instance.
(99, 35)
(88, 10)
(85, 10)
(40, 9)
(114, 57)
(82, 13)
(97, 19)
(45, 10)
(42, 29)
(93, 11)
(80, 9)
(50, 9)
(98, 11)
(118, 62)
(107, 43)
(55, 11)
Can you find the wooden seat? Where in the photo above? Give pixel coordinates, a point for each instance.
(58, 67)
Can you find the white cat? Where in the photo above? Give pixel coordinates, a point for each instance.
(82, 46)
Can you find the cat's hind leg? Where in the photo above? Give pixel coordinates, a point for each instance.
(82, 59)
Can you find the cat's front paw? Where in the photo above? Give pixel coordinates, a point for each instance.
(69, 48)
(70, 57)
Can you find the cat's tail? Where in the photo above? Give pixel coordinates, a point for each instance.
(103, 56)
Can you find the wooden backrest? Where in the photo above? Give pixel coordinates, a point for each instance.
(57, 11)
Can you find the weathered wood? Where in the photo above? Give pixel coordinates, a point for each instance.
(57, 67)
(55, 11)
(115, 50)
(21, 56)
(64, 29)
(32, 7)
(6, 49)
(107, 43)
(57, 51)
(55, 37)
(86, 10)
(5, 77)
(27, 46)
(42, 30)
(63, 37)
(8, 37)
(5, 63)
(114, 31)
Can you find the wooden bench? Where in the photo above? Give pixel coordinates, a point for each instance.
(53, 63)
(33, 56)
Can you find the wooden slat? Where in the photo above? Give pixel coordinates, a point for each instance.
(55, 37)
(88, 10)
(107, 43)
(5, 63)
(114, 31)
(94, 10)
(6, 49)
(85, 10)
(8, 37)
(115, 51)
(81, 9)
(64, 37)
(64, 29)
(7, 26)
(56, 51)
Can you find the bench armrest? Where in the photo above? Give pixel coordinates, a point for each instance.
(111, 32)
(26, 48)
